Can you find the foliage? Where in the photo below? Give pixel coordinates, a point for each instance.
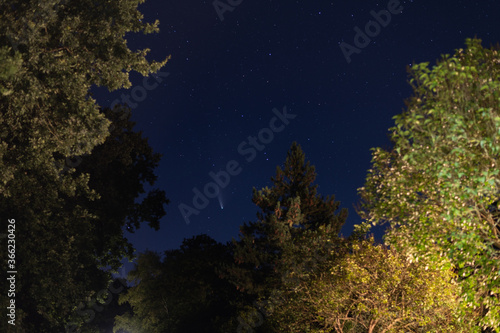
(52, 52)
(181, 293)
(295, 231)
(437, 186)
(118, 171)
(9, 66)
(374, 289)
(73, 237)
(104, 309)
(65, 47)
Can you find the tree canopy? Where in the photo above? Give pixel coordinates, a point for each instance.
(438, 187)
(374, 289)
(183, 292)
(295, 231)
(75, 176)
(288, 211)
(52, 52)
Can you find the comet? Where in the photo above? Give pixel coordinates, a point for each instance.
(221, 204)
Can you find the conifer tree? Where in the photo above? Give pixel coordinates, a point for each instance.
(296, 179)
(290, 238)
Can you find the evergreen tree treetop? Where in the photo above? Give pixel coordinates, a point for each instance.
(296, 179)
(294, 222)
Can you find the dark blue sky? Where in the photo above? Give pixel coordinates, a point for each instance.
(226, 77)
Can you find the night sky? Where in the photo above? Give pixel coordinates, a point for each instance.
(227, 76)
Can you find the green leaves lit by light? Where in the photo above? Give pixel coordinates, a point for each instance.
(447, 149)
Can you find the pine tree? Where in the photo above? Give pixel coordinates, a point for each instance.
(290, 238)
(296, 180)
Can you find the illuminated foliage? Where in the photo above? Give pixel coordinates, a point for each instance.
(438, 187)
(374, 289)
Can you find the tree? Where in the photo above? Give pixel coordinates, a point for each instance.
(63, 264)
(295, 231)
(119, 170)
(104, 309)
(65, 47)
(54, 51)
(436, 186)
(183, 292)
(375, 289)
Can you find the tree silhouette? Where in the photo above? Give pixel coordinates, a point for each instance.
(296, 231)
(183, 292)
